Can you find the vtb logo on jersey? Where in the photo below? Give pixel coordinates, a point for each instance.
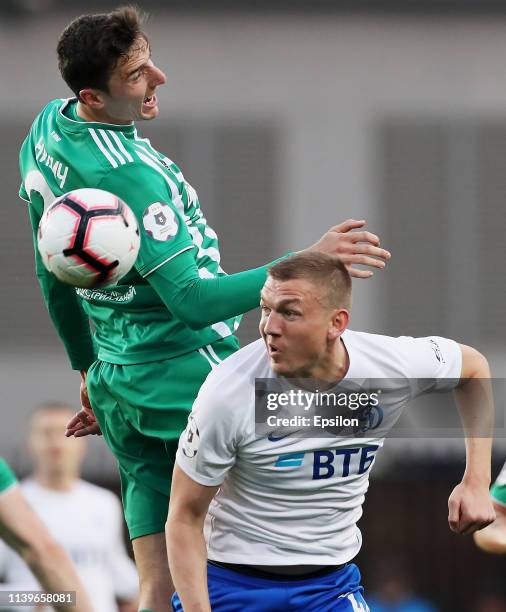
(341, 462)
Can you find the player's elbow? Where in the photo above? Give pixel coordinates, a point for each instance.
(474, 363)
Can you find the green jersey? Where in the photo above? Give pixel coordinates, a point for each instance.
(131, 322)
(7, 478)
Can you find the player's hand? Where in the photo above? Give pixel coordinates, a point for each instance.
(353, 247)
(470, 508)
(83, 423)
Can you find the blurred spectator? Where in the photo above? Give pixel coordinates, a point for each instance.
(85, 519)
(394, 591)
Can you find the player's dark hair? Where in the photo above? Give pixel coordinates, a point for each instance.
(91, 46)
(324, 271)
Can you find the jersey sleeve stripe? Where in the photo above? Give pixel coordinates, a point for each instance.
(99, 144)
(120, 146)
(212, 352)
(110, 146)
(154, 164)
(190, 246)
(204, 354)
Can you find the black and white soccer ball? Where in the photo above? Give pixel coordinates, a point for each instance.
(88, 238)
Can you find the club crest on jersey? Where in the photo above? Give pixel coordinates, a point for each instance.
(191, 438)
(160, 221)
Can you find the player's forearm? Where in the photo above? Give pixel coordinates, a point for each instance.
(201, 302)
(187, 553)
(53, 569)
(69, 321)
(475, 403)
(22, 530)
(477, 420)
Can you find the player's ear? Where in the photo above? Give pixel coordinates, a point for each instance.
(93, 98)
(338, 323)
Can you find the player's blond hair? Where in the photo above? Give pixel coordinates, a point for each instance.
(328, 274)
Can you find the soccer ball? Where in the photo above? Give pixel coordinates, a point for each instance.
(88, 238)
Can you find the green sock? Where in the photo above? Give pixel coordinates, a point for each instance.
(146, 610)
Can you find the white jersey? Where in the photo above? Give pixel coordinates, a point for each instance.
(87, 522)
(288, 500)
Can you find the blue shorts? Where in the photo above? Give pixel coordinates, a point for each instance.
(231, 591)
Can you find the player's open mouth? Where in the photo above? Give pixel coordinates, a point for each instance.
(273, 350)
(150, 101)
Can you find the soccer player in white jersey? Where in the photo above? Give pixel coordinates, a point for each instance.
(278, 513)
(85, 519)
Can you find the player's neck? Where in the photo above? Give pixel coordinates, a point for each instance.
(85, 113)
(333, 366)
(55, 481)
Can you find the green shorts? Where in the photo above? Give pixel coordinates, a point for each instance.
(498, 489)
(7, 478)
(142, 410)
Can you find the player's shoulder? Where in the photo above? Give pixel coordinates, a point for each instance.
(127, 165)
(398, 355)
(366, 339)
(237, 371)
(53, 106)
(46, 116)
(249, 361)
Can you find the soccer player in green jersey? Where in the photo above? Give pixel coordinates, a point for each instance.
(169, 321)
(22, 529)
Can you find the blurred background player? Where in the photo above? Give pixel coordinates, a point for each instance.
(279, 513)
(25, 533)
(493, 538)
(83, 518)
(170, 320)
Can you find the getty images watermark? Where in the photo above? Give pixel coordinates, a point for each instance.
(402, 408)
(308, 401)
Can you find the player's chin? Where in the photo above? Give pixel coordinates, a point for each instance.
(279, 368)
(149, 112)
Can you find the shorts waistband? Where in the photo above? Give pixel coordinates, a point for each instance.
(248, 570)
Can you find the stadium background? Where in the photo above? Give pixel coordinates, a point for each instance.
(288, 117)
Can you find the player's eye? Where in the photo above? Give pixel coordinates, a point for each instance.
(291, 314)
(265, 310)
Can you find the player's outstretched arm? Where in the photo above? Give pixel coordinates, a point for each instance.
(186, 547)
(200, 302)
(470, 506)
(28, 536)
